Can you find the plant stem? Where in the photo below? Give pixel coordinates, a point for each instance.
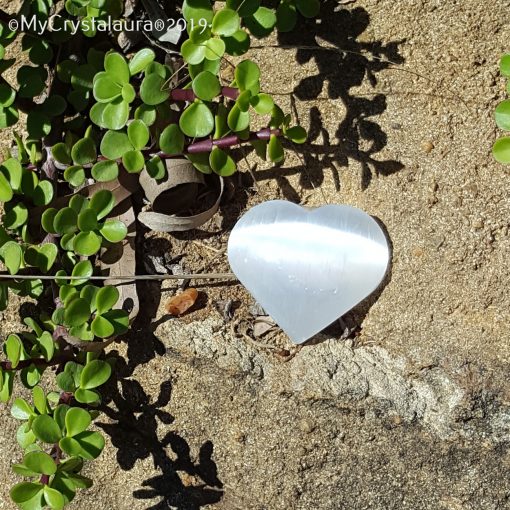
(190, 96)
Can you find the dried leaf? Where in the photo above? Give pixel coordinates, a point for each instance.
(182, 302)
(120, 259)
(262, 325)
(179, 172)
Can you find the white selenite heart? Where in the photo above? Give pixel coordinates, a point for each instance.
(307, 267)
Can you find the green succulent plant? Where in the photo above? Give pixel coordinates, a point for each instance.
(93, 115)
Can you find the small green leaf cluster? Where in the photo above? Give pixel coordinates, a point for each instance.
(81, 227)
(87, 311)
(98, 10)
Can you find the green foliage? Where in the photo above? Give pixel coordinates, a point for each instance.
(92, 115)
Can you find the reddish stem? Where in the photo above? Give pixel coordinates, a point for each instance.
(190, 96)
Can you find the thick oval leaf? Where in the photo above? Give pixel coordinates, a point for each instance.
(83, 269)
(12, 170)
(197, 121)
(501, 150)
(102, 328)
(238, 120)
(13, 349)
(70, 446)
(15, 215)
(25, 491)
(206, 86)
(21, 410)
(156, 168)
(171, 140)
(214, 48)
(237, 44)
(146, 113)
(87, 396)
(47, 430)
(296, 134)
(119, 319)
(275, 150)
(114, 230)
(106, 298)
(133, 161)
(87, 244)
(262, 104)
(92, 444)
(502, 115)
(106, 89)
(192, 53)
(54, 499)
(47, 219)
(117, 67)
(84, 151)
(226, 22)
(138, 134)
(43, 193)
(77, 313)
(222, 163)
(115, 114)
(6, 193)
(77, 420)
(152, 91)
(247, 75)
(11, 255)
(94, 374)
(74, 175)
(141, 60)
(115, 144)
(65, 221)
(102, 203)
(87, 220)
(262, 22)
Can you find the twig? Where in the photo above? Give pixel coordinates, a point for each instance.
(202, 276)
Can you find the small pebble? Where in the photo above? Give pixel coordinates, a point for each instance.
(307, 426)
(478, 224)
(427, 146)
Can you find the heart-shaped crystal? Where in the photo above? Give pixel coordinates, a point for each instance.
(307, 267)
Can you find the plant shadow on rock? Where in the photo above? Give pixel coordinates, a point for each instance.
(133, 431)
(350, 62)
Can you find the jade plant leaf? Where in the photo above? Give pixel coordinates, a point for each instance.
(102, 203)
(133, 161)
(75, 175)
(171, 140)
(222, 163)
(114, 230)
(197, 120)
(152, 91)
(84, 151)
(226, 22)
(83, 269)
(46, 429)
(206, 86)
(77, 420)
(138, 134)
(87, 244)
(11, 255)
(94, 374)
(141, 60)
(115, 144)
(77, 313)
(65, 221)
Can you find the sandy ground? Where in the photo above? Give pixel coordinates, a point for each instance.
(414, 411)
